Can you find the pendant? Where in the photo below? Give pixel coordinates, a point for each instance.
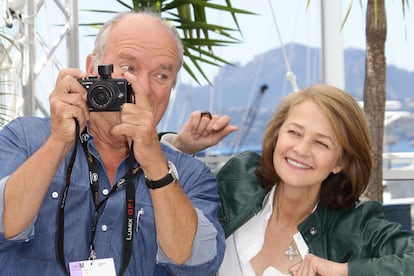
(291, 252)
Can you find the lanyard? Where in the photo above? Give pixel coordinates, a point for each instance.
(126, 181)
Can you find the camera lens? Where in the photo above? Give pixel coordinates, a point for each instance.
(100, 97)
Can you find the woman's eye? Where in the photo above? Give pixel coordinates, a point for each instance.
(322, 144)
(293, 132)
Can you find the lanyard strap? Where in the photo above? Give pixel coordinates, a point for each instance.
(129, 217)
(126, 181)
(61, 217)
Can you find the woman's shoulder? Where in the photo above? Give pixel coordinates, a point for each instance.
(366, 215)
(240, 190)
(361, 211)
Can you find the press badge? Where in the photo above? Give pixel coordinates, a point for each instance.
(97, 267)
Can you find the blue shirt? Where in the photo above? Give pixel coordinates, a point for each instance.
(33, 252)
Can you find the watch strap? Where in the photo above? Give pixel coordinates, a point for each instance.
(167, 179)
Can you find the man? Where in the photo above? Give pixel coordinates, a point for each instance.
(96, 191)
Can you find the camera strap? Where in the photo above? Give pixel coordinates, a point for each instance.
(126, 181)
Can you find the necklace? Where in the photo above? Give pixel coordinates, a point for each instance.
(291, 252)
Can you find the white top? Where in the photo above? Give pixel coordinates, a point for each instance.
(247, 241)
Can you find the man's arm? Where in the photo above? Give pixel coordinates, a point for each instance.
(27, 186)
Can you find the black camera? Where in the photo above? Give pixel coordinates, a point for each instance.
(106, 93)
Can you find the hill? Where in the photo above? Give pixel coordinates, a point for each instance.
(234, 88)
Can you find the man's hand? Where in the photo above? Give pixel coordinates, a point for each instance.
(201, 132)
(67, 102)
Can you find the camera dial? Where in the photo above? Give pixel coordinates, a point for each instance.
(105, 70)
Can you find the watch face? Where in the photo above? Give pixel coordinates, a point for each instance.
(173, 170)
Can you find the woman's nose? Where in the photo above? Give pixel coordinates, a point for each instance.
(302, 147)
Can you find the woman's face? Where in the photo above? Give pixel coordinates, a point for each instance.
(307, 150)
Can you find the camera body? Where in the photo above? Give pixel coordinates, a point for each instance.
(106, 93)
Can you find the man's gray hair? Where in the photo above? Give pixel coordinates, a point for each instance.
(104, 32)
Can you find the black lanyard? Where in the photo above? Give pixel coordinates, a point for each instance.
(126, 181)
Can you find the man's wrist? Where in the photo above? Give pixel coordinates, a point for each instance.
(170, 177)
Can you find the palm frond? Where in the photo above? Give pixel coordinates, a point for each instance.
(200, 37)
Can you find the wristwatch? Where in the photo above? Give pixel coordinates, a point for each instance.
(172, 176)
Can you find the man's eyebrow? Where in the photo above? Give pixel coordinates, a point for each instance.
(127, 56)
(168, 67)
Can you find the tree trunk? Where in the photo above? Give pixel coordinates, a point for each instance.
(375, 89)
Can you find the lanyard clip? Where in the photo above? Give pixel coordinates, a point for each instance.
(92, 255)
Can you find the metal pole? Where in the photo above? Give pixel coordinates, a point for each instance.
(72, 39)
(29, 56)
(333, 69)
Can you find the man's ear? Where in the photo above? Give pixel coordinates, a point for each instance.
(90, 66)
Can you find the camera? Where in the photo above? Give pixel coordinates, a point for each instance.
(106, 93)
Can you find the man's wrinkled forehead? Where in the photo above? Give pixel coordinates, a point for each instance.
(148, 30)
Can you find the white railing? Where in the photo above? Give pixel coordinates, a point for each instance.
(398, 177)
(399, 167)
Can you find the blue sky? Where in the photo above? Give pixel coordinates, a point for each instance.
(297, 24)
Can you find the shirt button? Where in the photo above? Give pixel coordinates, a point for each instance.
(104, 228)
(55, 195)
(85, 137)
(105, 192)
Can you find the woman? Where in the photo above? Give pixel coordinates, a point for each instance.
(316, 162)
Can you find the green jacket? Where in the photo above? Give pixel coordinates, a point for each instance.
(362, 236)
